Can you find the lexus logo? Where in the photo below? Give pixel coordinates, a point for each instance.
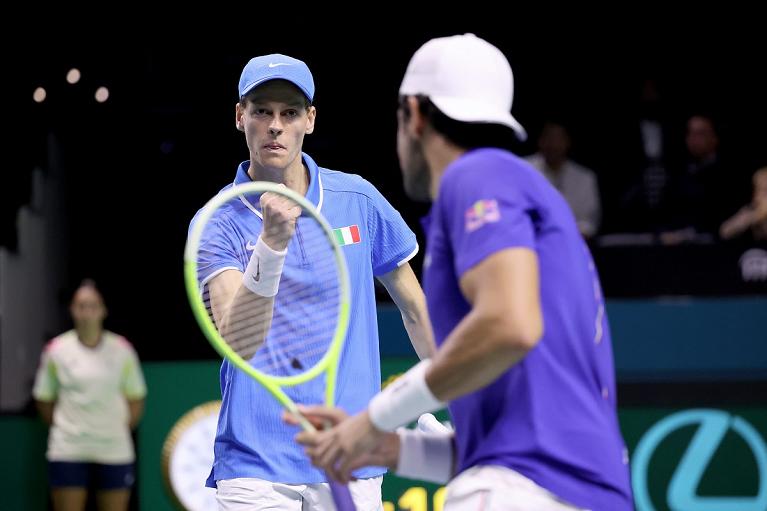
(682, 492)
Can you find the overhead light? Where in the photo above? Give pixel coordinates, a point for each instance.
(102, 94)
(39, 95)
(73, 76)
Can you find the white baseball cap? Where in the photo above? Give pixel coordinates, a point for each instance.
(467, 78)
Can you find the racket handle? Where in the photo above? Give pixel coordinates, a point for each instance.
(429, 424)
(341, 496)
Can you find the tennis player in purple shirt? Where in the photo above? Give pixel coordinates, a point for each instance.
(525, 358)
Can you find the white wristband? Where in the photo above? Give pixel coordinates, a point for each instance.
(262, 276)
(425, 456)
(403, 400)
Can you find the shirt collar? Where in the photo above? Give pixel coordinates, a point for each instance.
(313, 193)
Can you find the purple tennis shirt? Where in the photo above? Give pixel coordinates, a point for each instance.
(552, 417)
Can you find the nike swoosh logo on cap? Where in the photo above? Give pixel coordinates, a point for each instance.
(275, 64)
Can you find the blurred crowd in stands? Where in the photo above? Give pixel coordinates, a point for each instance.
(683, 190)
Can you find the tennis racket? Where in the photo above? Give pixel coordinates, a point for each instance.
(296, 336)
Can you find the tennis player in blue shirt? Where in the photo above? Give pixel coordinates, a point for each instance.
(257, 463)
(524, 353)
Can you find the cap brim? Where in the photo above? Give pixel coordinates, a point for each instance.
(473, 111)
(265, 79)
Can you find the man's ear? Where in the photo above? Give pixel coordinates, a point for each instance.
(239, 112)
(416, 121)
(311, 116)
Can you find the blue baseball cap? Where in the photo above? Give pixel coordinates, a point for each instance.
(276, 67)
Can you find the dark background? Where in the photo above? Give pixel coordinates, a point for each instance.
(135, 169)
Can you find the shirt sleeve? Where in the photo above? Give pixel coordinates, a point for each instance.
(46, 383)
(132, 382)
(392, 241)
(485, 210)
(217, 251)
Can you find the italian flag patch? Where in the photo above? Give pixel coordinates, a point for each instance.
(347, 235)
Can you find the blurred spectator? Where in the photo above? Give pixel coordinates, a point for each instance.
(90, 389)
(642, 206)
(704, 192)
(575, 182)
(751, 219)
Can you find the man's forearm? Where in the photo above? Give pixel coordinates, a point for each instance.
(242, 317)
(419, 330)
(403, 287)
(247, 321)
(475, 354)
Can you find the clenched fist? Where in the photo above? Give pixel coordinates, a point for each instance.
(280, 216)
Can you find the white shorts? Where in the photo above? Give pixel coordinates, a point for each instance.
(250, 493)
(494, 488)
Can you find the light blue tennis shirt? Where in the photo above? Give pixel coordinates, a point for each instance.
(251, 439)
(551, 417)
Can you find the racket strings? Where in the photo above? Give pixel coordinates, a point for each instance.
(306, 339)
(290, 333)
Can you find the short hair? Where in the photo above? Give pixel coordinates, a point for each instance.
(307, 103)
(468, 135)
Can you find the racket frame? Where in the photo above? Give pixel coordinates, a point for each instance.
(329, 362)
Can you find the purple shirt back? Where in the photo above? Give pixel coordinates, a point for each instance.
(552, 417)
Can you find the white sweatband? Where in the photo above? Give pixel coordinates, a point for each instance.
(425, 456)
(262, 276)
(403, 400)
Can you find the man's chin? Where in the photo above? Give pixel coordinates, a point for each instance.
(418, 192)
(418, 196)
